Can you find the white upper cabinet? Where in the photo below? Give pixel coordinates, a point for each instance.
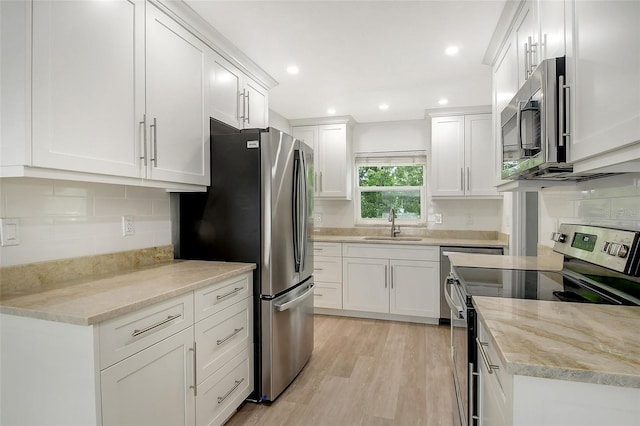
(236, 99)
(526, 38)
(603, 73)
(176, 122)
(552, 28)
(462, 156)
(116, 92)
(332, 158)
(88, 86)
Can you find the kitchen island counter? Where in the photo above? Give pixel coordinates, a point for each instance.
(596, 344)
(412, 240)
(93, 300)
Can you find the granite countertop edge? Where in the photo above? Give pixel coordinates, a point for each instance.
(421, 241)
(98, 287)
(500, 339)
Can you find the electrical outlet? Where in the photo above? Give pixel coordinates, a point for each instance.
(318, 218)
(128, 227)
(438, 217)
(9, 232)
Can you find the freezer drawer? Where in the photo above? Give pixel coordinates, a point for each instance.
(287, 338)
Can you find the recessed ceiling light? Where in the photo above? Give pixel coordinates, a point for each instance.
(383, 107)
(292, 69)
(331, 111)
(451, 50)
(443, 101)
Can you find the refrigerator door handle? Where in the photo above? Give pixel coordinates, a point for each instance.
(305, 210)
(297, 249)
(294, 302)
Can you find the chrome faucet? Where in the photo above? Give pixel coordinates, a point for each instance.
(395, 230)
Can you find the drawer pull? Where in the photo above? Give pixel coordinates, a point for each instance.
(231, 293)
(318, 269)
(318, 294)
(226, 395)
(485, 356)
(236, 331)
(158, 324)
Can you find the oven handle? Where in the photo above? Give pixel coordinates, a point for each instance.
(447, 295)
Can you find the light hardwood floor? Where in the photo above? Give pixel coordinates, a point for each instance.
(366, 372)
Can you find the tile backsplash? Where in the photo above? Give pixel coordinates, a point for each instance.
(613, 201)
(65, 219)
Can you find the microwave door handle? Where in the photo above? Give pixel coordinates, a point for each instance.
(519, 126)
(563, 109)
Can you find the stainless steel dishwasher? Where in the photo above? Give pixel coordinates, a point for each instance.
(445, 267)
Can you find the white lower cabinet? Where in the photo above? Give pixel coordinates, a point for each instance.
(152, 387)
(507, 399)
(391, 279)
(184, 361)
(327, 271)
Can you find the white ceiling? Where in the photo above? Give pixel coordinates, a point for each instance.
(355, 55)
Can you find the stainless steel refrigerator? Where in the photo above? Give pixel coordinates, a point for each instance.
(259, 209)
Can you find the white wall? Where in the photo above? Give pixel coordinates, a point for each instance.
(64, 219)
(279, 122)
(411, 135)
(612, 201)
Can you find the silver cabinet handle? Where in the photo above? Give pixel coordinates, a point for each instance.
(318, 249)
(195, 371)
(485, 356)
(468, 179)
(226, 395)
(391, 276)
(461, 179)
(318, 294)
(385, 276)
(158, 324)
(143, 123)
(526, 59)
(231, 293)
(235, 331)
(318, 269)
(315, 182)
(154, 160)
(320, 181)
(534, 55)
(248, 107)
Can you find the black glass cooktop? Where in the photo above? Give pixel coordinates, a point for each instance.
(565, 285)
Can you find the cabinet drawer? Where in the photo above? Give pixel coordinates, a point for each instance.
(392, 251)
(327, 249)
(327, 269)
(327, 295)
(220, 395)
(220, 335)
(216, 297)
(124, 336)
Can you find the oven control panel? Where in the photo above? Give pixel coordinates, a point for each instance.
(616, 249)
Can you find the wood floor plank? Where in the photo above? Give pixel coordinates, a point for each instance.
(366, 372)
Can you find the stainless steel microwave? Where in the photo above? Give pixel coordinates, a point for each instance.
(534, 126)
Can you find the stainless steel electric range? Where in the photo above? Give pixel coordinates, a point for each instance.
(601, 265)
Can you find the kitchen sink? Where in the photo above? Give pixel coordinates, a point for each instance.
(392, 239)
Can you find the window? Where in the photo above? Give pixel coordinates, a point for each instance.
(390, 182)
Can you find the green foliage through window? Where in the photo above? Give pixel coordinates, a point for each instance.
(385, 187)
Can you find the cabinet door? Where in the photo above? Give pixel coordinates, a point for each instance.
(551, 18)
(365, 284)
(447, 156)
(88, 86)
(331, 161)
(309, 135)
(603, 69)
(225, 102)
(526, 40)
(257, 112)
(177, 80)
(152, 387)
(415, 288)
(480, 172)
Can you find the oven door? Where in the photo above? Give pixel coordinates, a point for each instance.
(459, 348)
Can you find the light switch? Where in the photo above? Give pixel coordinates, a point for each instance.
(9, 232)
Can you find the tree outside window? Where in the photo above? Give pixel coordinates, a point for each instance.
(382, 187)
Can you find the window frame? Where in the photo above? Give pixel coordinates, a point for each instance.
(390, 161)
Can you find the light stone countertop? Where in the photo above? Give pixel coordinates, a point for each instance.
(536, 263)
(410, 240)
(94, 300)
(567, 341)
